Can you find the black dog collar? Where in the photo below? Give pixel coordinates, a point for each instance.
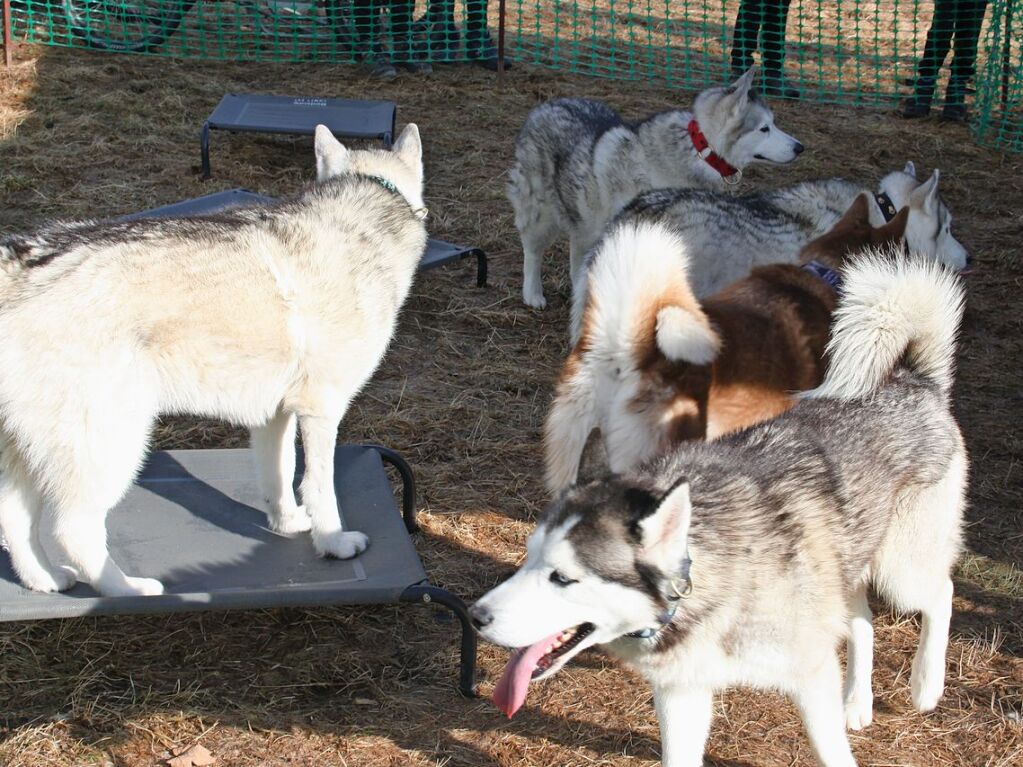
(884, 202)
(681, 586)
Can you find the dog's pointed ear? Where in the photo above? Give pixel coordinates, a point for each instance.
(331, 154)
(893, 232)
(740, 88)
(409, 147)
(857, 215)
(664, 531)
(910, 169)
(925, 196)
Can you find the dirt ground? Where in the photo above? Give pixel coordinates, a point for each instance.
(462, 394)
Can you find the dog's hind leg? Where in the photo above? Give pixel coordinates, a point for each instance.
(819, 698)
(913, 571)
(87, 473)
(569, 423)
(684, 716)
(578, 246)
(538, 235)
(859, 697)
(273, 448)
(21, 510)
(538, 229)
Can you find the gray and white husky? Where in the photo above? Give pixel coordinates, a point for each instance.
(727, 236)
(577, 163)
(258, 316)
(745, 561)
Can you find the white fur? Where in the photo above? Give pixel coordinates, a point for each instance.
(787, 644)
(681, 338)
(245, 326)
(891, 307)
(634, 265)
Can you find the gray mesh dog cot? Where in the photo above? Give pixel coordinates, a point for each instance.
(255, 113)
(438, 252)
(191, 520)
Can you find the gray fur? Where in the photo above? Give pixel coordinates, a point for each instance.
(577, 163)
(786, 524)
(727, 236)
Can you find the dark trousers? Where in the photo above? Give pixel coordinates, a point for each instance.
(958, 19)
(443, 12)
(763, 19)
(366, 22)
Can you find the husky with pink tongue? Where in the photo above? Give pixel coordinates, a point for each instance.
(746, 561)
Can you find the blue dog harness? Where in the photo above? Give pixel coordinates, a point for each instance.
(826, 273)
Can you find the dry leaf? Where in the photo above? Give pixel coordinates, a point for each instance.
(194, 756)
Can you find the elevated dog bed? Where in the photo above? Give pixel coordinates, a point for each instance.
(251, 113)
(192, 521)
(438, 252)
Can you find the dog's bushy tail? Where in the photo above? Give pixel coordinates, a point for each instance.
(637, 308)
(895, 312)
(641, 302)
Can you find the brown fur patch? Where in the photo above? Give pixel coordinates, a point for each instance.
(774, 326)
(575, 357)
(675, 395)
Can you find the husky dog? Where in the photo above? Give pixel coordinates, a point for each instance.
(727, 236)
(258, 316)
(746, 560)
(653, 366)
(577, 163)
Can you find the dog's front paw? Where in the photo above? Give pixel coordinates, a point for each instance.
(50, 580)
(534, 297)
(141, 587)
(341, 545)
(292, 522)
(859, 711)
(926, 688)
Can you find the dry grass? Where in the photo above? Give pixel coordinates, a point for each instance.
(462, 394)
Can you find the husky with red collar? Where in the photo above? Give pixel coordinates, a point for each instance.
(746, 561)
(578, 163)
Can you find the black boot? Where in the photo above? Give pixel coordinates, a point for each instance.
(919, 104)
(955, 100)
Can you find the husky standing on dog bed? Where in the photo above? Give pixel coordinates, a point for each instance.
(258, 316)
(577, 163)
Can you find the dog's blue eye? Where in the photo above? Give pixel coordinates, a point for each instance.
(560, 579)
(766, 129)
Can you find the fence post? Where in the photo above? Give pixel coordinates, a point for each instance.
(500, 44)
(8, 42)
(1007, 55)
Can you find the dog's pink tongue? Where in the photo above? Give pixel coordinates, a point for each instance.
(510, 693)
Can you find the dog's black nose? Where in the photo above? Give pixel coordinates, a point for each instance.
(480, 616)
(798, 148)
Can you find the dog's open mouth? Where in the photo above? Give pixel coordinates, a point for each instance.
(534, 662)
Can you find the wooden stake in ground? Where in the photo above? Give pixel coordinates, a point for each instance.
(8, 43)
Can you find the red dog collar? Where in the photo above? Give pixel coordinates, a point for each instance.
(709, 156)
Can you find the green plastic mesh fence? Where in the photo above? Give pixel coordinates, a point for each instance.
(366, 31)
(943, 53)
